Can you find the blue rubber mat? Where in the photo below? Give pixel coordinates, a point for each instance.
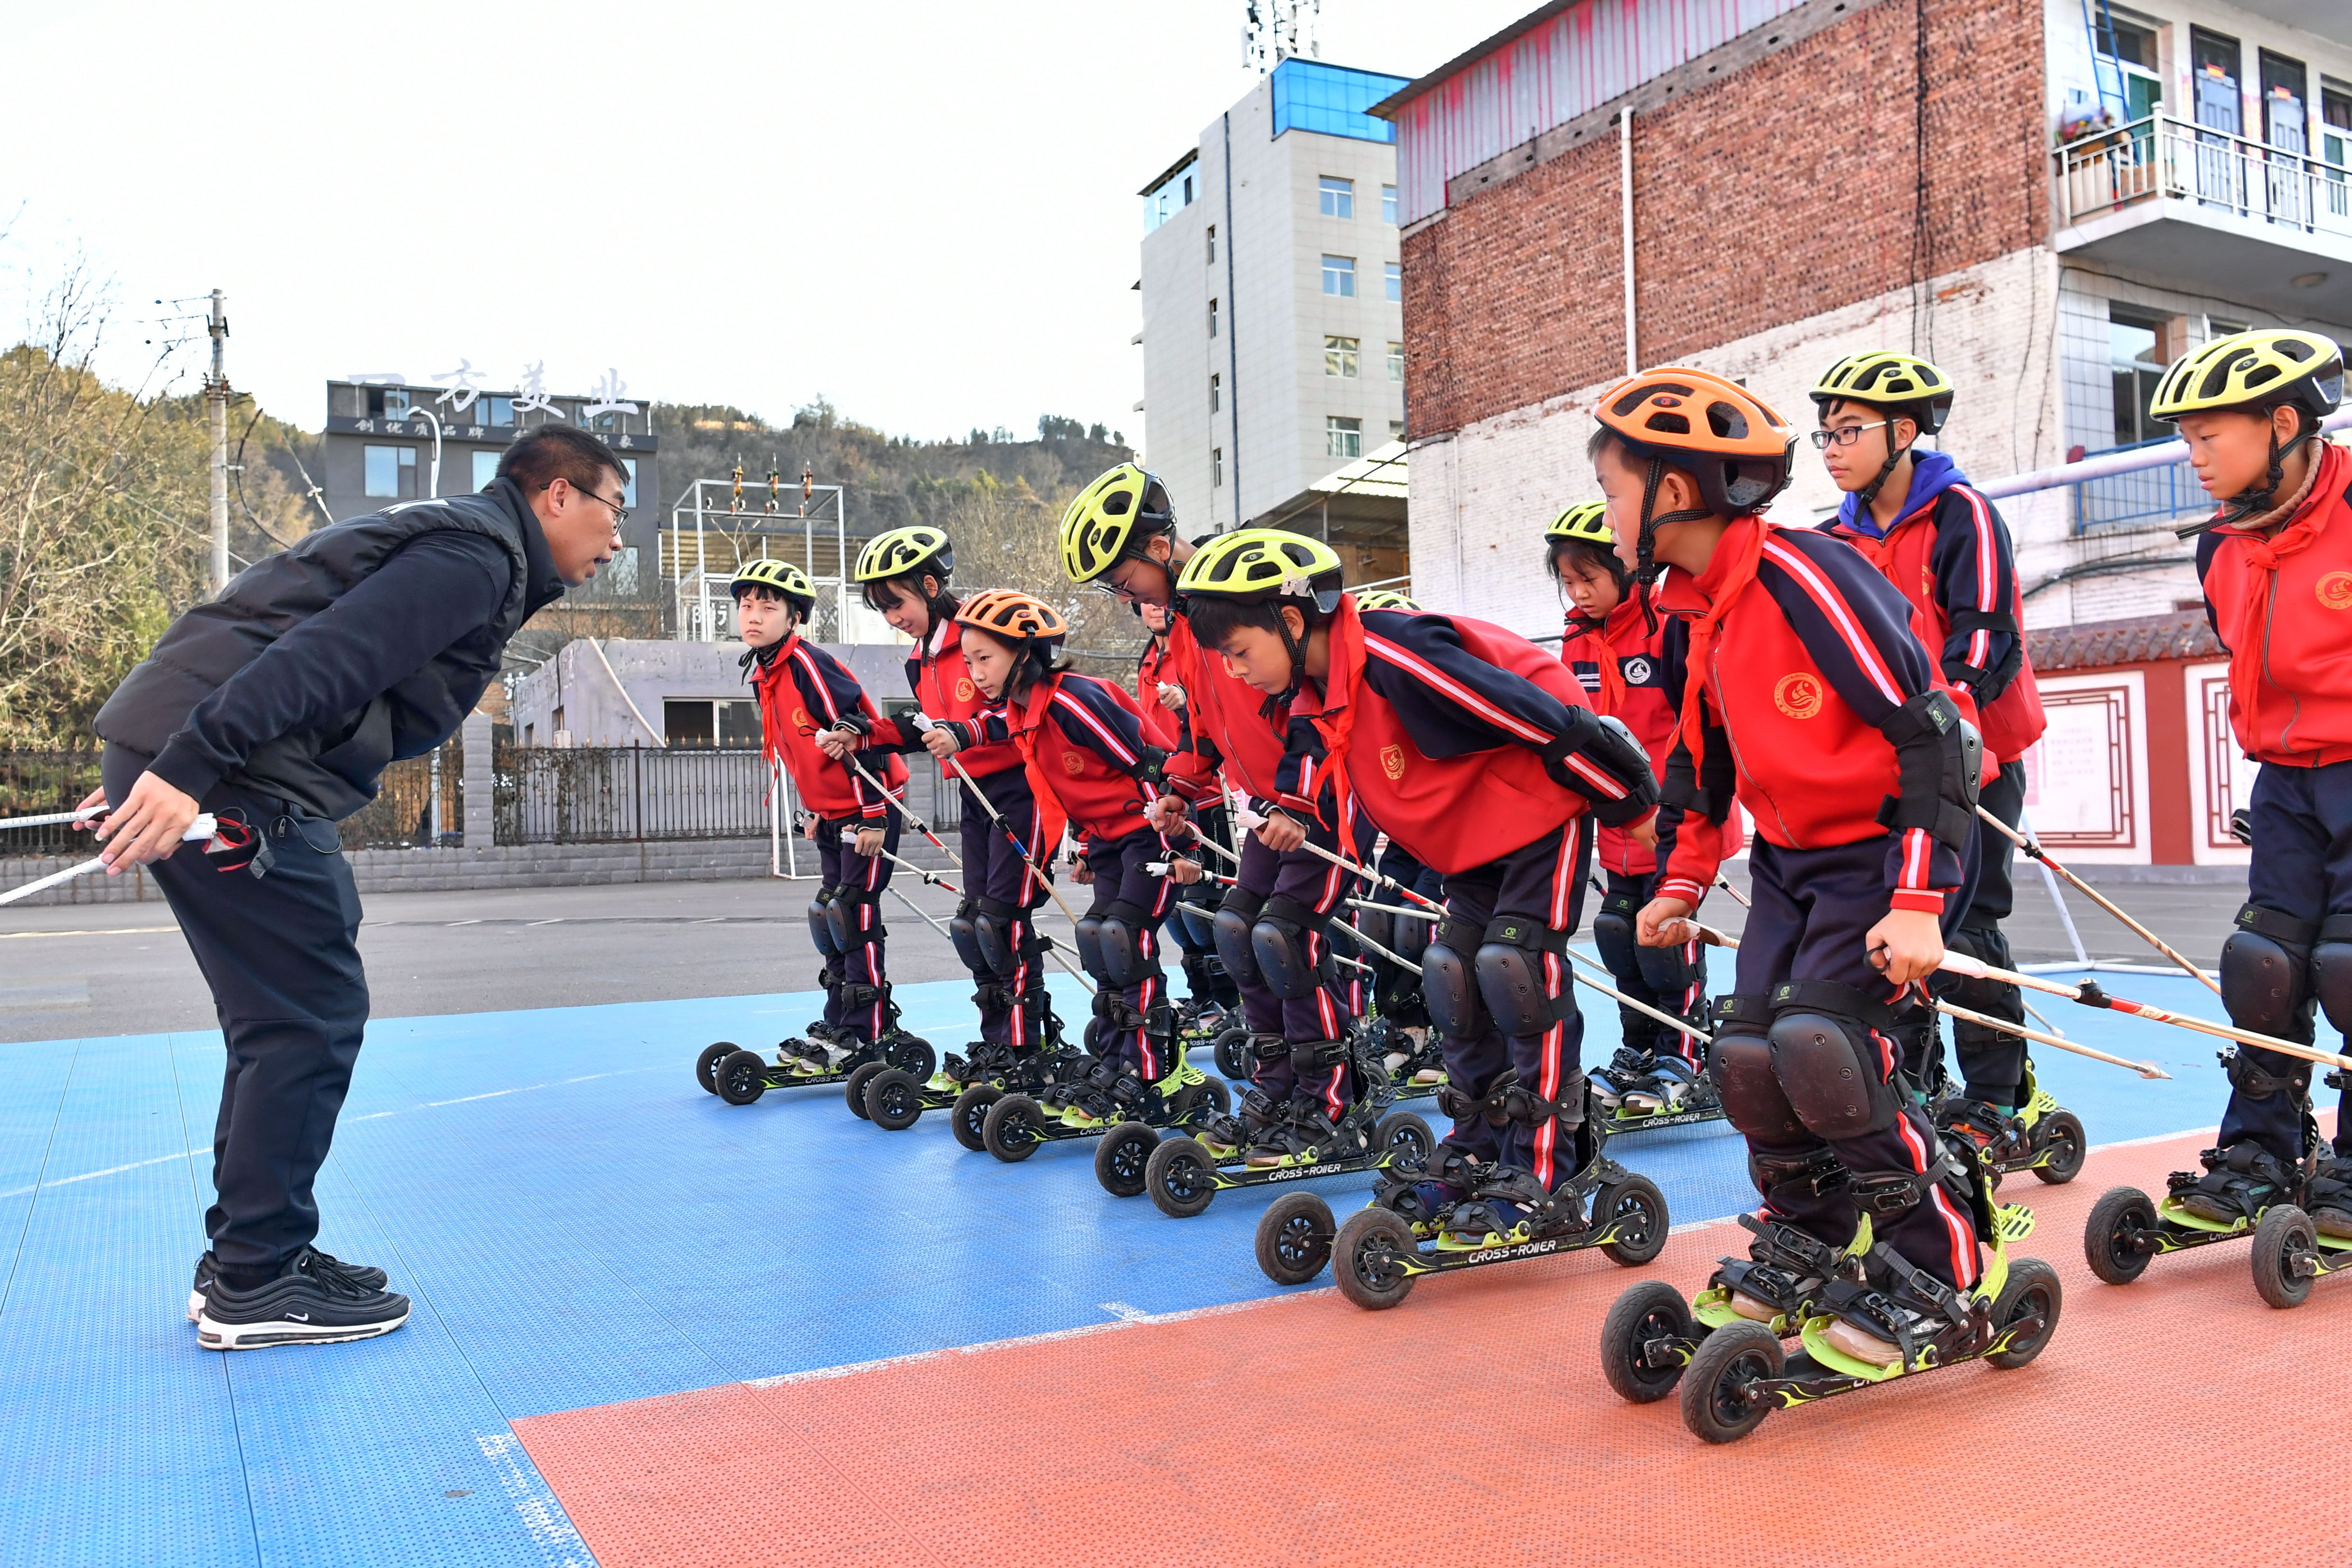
(579, 1224)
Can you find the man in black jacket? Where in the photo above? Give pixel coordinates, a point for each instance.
(276, 707)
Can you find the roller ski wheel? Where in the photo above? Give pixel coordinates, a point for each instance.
(1293, 1238)
(1634, 1213)
(970, 1113)
(1405, 1139)
(910, 1055)
(2286, 1257)
(1646, 1341)
(2061, 1149)
(1181, 1177)
(2026, 1313)
(1122, 1156)
(1013, 1128)
(893, 1099)
(2114, 1236)
(1228, 1052)
(852, 1088)
(1723, 1397)
(740, 1078)
(706, 1065)
(1370, 1251)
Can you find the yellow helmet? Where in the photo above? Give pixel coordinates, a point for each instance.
(1256, 564)
(2253, 370)
(780, 576)
(904, 552)
(1587, 521)
(1110, 519)
(1886, 379)
(1385, 598)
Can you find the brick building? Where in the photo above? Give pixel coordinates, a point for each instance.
(2047, 198)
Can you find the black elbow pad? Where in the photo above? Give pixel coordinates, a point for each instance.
(1938, 756)
(1708, 789)
(1155, 764)
(1986, 683)
(1607, 748)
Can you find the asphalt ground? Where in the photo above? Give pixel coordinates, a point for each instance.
(94, 970)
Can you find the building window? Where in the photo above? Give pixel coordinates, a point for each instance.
(2134, 364)
(1387, 204)
(1396, 362)
(531, 731)
(1212, 243)
(497, 411)
(2132, 48)
(1396, 429)
(387, 403)
(1396, 283)
(1343, 437)
(2336, 135)
(391, 473)
(486, 469)
(1340, 276)
(629, 489)
(1213, 317)
(1339, 356)
(1216, 466)
(1338, 196)
(561, 736)
(1216, 393)
(706, 722)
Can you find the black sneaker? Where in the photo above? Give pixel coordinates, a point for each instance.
(313, 1300)
(374, 1278)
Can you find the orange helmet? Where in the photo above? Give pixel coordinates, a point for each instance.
(1726, 437)
(1018, 618)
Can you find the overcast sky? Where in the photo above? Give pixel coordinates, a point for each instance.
(925, 212)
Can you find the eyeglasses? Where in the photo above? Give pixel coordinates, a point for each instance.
(620, 512)
(1844, 436)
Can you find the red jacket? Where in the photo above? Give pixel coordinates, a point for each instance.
(1226, 718)
(1162, 726)
(803, 689)
(943, 689)
(1814, 652)
(1634, 674)
(2283, 607)
(1455, 730)
(1082, 739)
(1950, 555)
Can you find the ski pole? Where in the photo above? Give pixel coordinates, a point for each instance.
(1738, 897)
(1251, 820)
(906, 811)
(2034, 851)
(203, 827)
(1161, 868)
(2145, 1068)
(1682, 1026)
(1396, 909)
(1011, 838)
(934, 879)
(53, 818)
(2090, 994)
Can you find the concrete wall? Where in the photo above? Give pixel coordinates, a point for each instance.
(651, 670)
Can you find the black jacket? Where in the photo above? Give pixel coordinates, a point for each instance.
(367, 642)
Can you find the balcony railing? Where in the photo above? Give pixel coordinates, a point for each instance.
(2138, 498)
(2160, 157)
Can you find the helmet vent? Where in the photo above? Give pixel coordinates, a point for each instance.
(1727, 421)
(1669, 423)
(1116, 503)
(2262, 375)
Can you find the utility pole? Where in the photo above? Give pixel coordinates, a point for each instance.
(217, 400)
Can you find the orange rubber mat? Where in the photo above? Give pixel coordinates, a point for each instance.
(2177, 1419)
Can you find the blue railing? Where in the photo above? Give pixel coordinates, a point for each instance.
(2144, 495)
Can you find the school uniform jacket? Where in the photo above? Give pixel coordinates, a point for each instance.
(1811, 656)
(1228, 730)
(802, 690)
(943, 688)
(1949, 554)
(1082, 741)
(2283, 607)
(1462, 747)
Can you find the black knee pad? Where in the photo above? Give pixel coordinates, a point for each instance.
(1739, 1061)
(1412, 937)
(1510, 970)
(2331, 971)
(1088, 941)
(1447, 987)
(1230, 931)
(820, 921)
(846, 915)
(2266, 973)
(1121, 933)
(992, 923)
(1836, 1075)
(1671, 972)
(1377, 926)
(1196, 927)
(1612, 933)
(1281, 942)
(964, 934)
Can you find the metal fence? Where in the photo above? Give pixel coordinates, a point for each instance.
(419, 800)
(2159, 156)
(625, 794)
(2140, 498)
(36, 783)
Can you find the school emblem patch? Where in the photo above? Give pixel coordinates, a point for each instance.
(801, 718)
(1798, 694)
(2334, 591)
(1636, 671)
(1393, 761)
(1072, 763)
(964, 690)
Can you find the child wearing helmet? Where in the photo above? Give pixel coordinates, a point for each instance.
(1946, 549)
(1629, 659)
(1475, 750)
(1214, 993)
(1811, 699)
(1120, 534)
(903, 574)
(2272, 561)
(1082, 746)
(804, 692)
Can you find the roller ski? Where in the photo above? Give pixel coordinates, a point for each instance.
(893, 1099)
(1271, 1142)
(2044, 1137)
(2298, 1215)
(1861, 1315)
(825, 1053)
(1104, 1095)
(1641, 1091)
(1410, 1056)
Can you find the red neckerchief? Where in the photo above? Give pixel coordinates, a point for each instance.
(2263, 556)
(1051, 817)
(1736, 556)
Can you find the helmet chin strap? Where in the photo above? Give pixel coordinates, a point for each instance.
(1868, 494)
(1646, 561)
(2253, 503)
